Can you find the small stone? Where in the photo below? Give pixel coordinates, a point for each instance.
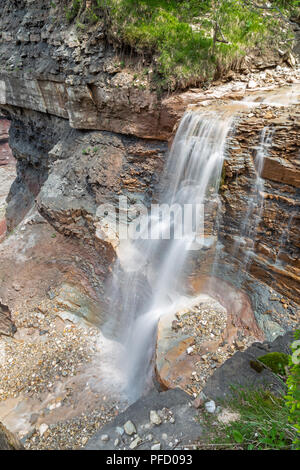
(199, 401)
(164, 436)
(117, 442)
(239, 344)
(210, 406)
(251, 84)
(156, 446)
(135, 442)
(129, 428)
(172, 420)
(119, 430)
(154, 418)
(43, 428)
(105, 437)
(149, 437)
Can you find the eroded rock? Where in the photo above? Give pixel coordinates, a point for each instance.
(7, 327)
(8, 441)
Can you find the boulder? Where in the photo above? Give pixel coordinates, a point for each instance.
(237, 370)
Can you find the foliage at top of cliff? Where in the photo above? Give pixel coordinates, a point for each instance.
(188, 42)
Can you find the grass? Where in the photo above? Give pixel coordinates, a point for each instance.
(177, 38)
(263, 423)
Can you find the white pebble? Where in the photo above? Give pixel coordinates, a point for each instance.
(210, 406)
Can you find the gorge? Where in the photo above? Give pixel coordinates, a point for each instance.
(96, 331)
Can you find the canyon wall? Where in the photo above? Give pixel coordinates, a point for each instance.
(86, 130)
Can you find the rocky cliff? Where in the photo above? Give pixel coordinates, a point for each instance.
(85, 130)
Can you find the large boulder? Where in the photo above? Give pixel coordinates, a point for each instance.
(239, 371)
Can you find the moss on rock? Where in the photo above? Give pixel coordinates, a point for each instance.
(275, 361)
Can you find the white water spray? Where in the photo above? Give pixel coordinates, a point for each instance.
(255, 207)
(154, 286)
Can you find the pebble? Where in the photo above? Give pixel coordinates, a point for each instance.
(119, 430)
(135, 442)
(105, 437)
(156, 446)
(210, 406)
(43, 428)
(251, 84)
(199, 401)
(154, 418)
(129, 428)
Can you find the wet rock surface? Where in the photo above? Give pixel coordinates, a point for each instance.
(195, 341)
(51, 394)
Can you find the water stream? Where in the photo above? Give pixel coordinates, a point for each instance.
(149, 276)
(153, 287)
(255, 204)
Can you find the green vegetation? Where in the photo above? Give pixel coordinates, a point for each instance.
(263, 423)
(275, 361)
(73, 10)
(190, 41)
(263, 420)
(293, 384)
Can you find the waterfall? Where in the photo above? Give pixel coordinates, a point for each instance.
(284, 239)
(255, 205)
(154, 283)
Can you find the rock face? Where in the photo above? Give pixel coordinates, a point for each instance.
(276, 246)
(8, 440)
(70, 174)
(7, 172)
(5, 151)
(85, 132)
(37, 263)
(237, 371)
(52, 67)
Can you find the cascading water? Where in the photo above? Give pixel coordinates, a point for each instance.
(284, 239)
(256, 201)
(153, 286)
